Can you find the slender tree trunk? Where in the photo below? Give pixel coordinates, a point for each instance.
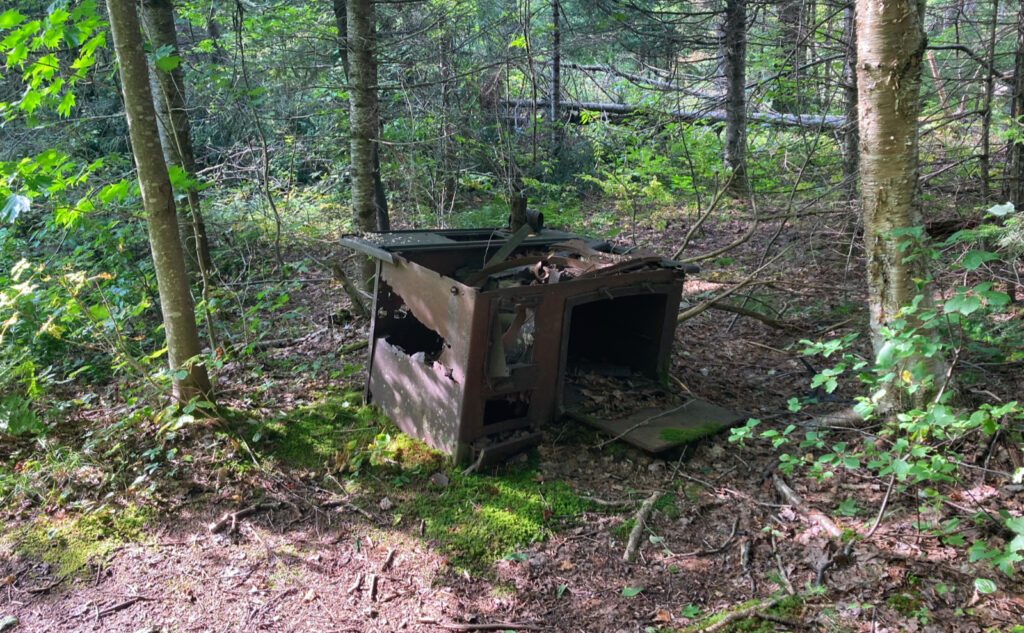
(341, 22)
(190, 380)
(734, 55)
(851, 133)
(168, 89)
(794, 47)
(1015, 183)
(890, 49)
(368, 201)
(446, 146)
(984, 160)
(556, 75)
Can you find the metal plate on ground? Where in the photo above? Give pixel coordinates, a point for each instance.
(656, 430)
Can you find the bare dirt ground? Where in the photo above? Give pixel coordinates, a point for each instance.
(306, 565)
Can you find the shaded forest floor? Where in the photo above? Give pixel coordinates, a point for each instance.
(346, 527)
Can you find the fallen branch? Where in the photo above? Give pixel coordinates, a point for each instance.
(476, 464)
(121, 605)
(811, 514)
(232, 518)
(638, 530)
(729, 618)
(350, 289)
(348, 349)
(693, 311)
(388, 559)
(753, 314)
(489, 626)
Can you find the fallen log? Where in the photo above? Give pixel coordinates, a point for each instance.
(617, 112)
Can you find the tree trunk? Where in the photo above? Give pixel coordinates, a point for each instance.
(369, 202)
(984, 160)
(890, 48)
(189, 380)
(556, 76)
(446, 133)
(364, 122)
(341, 22)
(851, 136)
(793, 44)
(1015, 183)
(168, 90)
(734, 56)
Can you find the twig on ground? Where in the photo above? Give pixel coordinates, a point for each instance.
(358, 345)
(811, 514)
(122, 605)
(355, 585)
(231, 518)
(638, 530)
(709, 552)
(476, 464)
(390, 558)
(489, 626)
(782, 569)
(373, 587)
(729, 618)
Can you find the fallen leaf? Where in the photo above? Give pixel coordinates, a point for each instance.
(565, 566)
(386, 504)
(310, 596)
(662, 615)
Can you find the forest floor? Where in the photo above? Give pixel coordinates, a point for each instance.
(317, 547)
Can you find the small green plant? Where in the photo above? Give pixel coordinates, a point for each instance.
(921, 424)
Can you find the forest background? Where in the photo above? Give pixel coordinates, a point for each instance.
(870, 294)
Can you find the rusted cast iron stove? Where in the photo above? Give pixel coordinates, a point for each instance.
(477, 335)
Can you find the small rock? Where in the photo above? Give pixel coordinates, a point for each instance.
(439, 479)
(386, 504)
(8, 622)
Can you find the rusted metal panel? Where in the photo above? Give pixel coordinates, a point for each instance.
(419, 397)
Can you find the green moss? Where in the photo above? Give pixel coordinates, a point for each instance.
(477, 519)
(69, 545)
(904, 603)
(681, 436)
(321, 434)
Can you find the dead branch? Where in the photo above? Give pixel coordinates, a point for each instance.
(811, 514)
(490, 626)
(350, 289)
(390, 558)
(729, 618)
(373, 587)
(638, 530)
(232, 518)
(121, 605)
(720, 548)
(753, 314)
(693, 311)
(782, 568)
(476, 464)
